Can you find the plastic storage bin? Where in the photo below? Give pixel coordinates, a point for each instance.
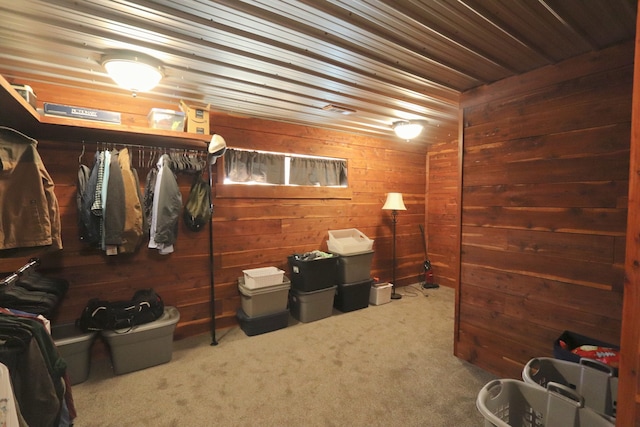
(353, 296)
(262, 324)
(313, 275)
(513, 403)
(74, 347)
(574, 340)
(354, 268)
(311, 306)
(26, 92)
(260, 277)
(145, 345)
(160, 118)
(380, 294)
(348, 241)
(592, 380)
(265, 300)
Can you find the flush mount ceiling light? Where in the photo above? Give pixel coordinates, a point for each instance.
(133, 71)
(408, 129)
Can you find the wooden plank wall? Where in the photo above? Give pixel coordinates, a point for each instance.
(443, 223)
(248, 232)
(544, 205)
(628, 408)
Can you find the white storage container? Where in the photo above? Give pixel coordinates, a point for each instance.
(380, 294)
(260, 277)
(348, 242)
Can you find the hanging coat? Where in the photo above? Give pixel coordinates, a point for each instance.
(132, 231)
(167, 204)
(29, 210)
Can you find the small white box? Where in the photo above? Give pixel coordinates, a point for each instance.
(260, 277)
(380, 293)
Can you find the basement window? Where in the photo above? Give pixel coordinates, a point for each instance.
(282, 169)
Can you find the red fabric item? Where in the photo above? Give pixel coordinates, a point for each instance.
(605, 355)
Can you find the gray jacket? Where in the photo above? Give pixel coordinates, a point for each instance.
(169, 205)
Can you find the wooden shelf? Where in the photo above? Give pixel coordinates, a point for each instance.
(20, 115)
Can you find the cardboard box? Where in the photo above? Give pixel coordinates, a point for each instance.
(197, 118)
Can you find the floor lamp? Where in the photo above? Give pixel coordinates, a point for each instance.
(394, 204)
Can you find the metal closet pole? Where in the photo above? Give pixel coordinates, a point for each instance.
(212, 308)
(10, 280)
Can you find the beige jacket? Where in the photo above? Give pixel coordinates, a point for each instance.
(29, 211)
(133, 232)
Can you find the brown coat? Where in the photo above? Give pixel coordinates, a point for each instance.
(29, 211)
(132, 233)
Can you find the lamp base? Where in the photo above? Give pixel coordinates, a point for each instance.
(396, 296)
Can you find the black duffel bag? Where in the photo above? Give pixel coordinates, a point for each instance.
(145, 306)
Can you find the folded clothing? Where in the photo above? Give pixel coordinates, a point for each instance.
(37, 282)
(35, 302)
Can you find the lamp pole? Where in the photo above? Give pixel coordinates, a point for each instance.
(394, 221)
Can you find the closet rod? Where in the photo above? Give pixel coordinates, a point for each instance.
(10, 280)
(156, 147)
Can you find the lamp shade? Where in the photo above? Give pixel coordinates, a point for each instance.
(394, 202)
(407, 129)
(133, 71)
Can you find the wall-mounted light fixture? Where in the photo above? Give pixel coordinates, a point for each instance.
(133, 71)
(408, 129)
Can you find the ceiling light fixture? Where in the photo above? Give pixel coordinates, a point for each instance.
(133, 71)
(408, 129)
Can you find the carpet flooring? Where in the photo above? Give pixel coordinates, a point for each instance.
(384, 365)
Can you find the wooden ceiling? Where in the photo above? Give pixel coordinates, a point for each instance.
(288, 60)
